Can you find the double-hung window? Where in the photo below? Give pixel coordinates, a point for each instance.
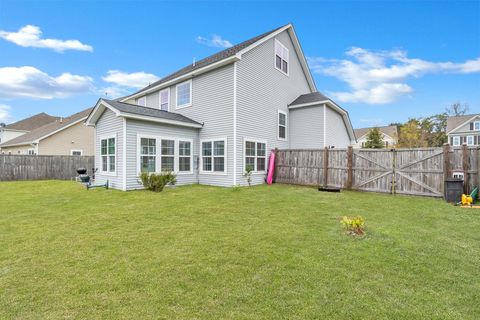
(184, 94)
(142, 101)
(184, 156)
(168, 155)
(456, 141)
(213, 156)
(470, 141)
(108, 154)
(255, 155)
(282, 125)
(165, 100)
(476, 126)
(148, 154)
(281, 57)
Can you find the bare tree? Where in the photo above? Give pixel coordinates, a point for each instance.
(457, 109)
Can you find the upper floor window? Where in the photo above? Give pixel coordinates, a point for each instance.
(476, 125)
(142, 101)
(165, 99)
(184, 94)
(282, 125)
(281, 57)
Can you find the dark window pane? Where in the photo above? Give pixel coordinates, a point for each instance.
(112, 164)
(167, 163)
(278, 62)
(104, 147)
(207, 164)
(184, 164)
(168, 147)
(260, 149)
(281, 132)
(285, 66)
(219, 164)
(250, 148)
(281, 119)
(104, 163)
(147, 164)
(184, 148)
(206, 148)
(261, 164)
(250, 163)
(219, 148)
(111, 146)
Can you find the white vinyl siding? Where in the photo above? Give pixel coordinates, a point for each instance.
(184, 94)
(281, 57)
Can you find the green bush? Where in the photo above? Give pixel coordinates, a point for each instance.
(156, 182)
(354, 225)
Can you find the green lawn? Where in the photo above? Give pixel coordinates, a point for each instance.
(265, 252)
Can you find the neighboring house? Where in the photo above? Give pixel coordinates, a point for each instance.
(211, 120)
(390, 136)
(65, 136)
(21, 127)
(464, 129)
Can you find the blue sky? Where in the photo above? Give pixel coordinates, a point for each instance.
(382, 61)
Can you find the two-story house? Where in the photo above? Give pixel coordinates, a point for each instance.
(464, 129)
(389, 136)
(19, 128)
(211, 120)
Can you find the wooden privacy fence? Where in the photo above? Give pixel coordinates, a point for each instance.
(34, 167)
(419, 171)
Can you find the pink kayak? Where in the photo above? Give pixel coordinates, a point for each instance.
(271, 168)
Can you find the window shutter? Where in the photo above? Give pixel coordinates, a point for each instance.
(451, 141)
(471, 125)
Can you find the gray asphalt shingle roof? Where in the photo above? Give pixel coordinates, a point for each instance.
(33, 122)
(308, 98)
(390, 131)
(208, 60)
(149, 112)
(453, 122)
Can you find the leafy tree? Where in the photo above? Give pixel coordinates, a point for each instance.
(412, 134)
(374, 139)
(457, 109)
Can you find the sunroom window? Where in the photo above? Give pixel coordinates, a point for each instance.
(148, 155)
(168, 155)
(184, 156)
(108, 155)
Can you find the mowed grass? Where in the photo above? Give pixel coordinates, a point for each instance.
(264, 252)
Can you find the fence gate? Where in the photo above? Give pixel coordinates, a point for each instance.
(406, 171)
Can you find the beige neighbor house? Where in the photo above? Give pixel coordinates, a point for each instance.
(19, 128)
(464, 129)
(65, 136)
(390, 136)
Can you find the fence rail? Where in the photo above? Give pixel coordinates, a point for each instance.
(35, 167)
(419, 171)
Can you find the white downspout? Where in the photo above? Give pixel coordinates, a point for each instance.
(124, 169)
(234, 123)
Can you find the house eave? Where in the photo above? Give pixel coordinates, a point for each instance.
(461, 125)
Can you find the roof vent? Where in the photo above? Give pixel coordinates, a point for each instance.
(193, 64)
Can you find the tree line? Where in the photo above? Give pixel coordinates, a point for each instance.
(419, 132)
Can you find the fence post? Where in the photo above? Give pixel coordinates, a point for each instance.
(446, 161)
(466, 180)
(349, 167)
(325, 168)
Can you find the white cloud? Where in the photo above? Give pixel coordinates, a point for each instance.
(379, 77)
(5, 116)
(130, 80)
(30, 36)
(215, 41)
(29, 82)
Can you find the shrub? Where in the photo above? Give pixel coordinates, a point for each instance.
(156, 182)
(354, 225)
(248, 174)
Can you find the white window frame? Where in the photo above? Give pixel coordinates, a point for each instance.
(144, 99)
(278, 43)
(472, 141)
(158, 153)
(160, 98)
(455, 141)
(108, 173)
(189, 104)
(80, 150)
(225, 152)
(278, 125)
(245, 139)
(476, 125)
(31, 152)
